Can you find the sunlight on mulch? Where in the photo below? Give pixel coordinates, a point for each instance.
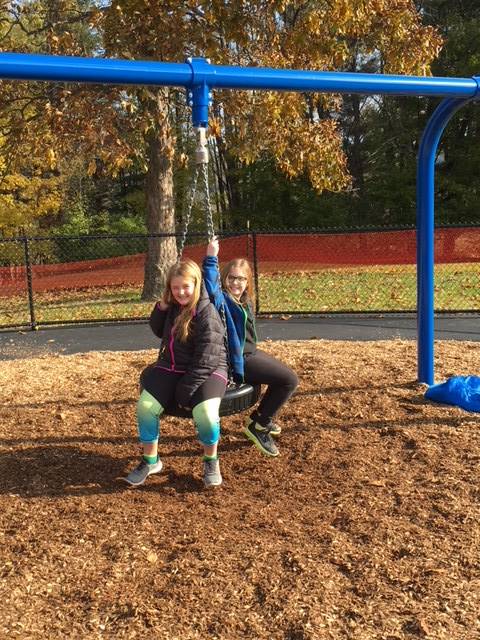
(366, 527)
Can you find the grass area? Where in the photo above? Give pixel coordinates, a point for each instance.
(359, 289)
(96, 303)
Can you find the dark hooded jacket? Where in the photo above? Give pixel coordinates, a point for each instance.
(203, 352)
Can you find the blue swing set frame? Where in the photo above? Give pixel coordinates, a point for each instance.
(198, 77)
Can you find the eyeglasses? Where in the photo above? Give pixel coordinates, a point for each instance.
(240, 279)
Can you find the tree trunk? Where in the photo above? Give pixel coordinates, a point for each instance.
(161, 252)
(355, 151)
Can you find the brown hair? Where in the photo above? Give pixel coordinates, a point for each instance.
(241, 263)
(186, 268)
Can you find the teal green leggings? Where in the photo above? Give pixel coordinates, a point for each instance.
(205, 418)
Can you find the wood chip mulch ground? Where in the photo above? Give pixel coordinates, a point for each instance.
(366, 527)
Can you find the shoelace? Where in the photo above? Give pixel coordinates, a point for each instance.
(261, 429)
(211, 466)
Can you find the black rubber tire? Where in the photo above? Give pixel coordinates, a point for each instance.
(237, 398)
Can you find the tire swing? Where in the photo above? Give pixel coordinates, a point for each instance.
(238, 397)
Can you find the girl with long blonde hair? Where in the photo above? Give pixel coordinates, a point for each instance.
(191, 371)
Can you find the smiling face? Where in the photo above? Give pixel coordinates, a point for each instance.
(236, 281)
(182, 288)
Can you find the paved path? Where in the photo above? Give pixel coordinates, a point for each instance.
(134, 337)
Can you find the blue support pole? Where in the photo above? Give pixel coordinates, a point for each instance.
(199, 95)
(426, 234)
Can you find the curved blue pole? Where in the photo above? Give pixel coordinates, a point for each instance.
(425, 234)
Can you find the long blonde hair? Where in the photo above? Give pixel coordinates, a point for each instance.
(241, 263)
(185, 268)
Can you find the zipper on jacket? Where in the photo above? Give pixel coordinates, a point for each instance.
(172, 353)
(245, 318)
(254, 327)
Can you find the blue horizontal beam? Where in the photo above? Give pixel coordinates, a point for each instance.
(340, 82)
(26, 66)
(23, 66)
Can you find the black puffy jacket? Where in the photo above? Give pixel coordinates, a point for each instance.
(200, 355)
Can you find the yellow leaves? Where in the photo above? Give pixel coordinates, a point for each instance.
(320, 36)
(95, 17)
(24, 199)
(283, 35)
(215, 128)
(114, 160)
(276, 124)
(51, 158)
(92, 168)
(128, 106)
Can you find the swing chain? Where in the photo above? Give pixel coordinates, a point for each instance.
(208, 204)
(201, 167)
(188, 213)
(202, 157)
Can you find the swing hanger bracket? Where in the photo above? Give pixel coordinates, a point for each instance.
(201, 150)
(199, 95)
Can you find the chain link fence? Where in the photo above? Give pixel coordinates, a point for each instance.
(66, 280)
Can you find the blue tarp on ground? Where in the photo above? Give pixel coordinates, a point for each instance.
(461, 391)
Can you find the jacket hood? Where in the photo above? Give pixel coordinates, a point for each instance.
(204, 300)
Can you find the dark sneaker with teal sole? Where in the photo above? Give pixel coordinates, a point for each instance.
(261, 438)
(138, 476)
(211, 473)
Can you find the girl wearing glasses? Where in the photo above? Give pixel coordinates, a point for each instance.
(232, 288)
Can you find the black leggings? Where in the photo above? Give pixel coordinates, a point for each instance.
(281, 381)
(161, 384)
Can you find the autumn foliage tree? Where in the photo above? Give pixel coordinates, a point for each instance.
(43, 125)
(29, 186)
(301, 132)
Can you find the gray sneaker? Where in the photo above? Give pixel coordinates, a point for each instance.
(138, 476)
(211, 473)
(275, 429)
(261, 438)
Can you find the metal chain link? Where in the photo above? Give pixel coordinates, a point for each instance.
(208, 205)
(201, 166)
(188, 214)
